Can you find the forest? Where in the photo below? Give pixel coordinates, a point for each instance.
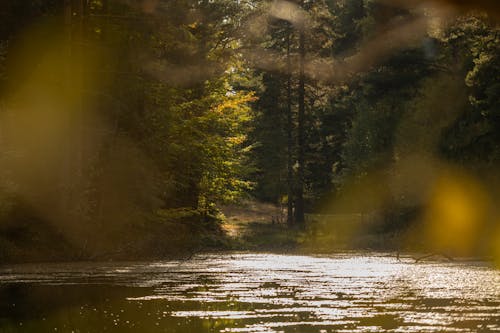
(127, 126)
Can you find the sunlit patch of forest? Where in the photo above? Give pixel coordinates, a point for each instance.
(125, 126)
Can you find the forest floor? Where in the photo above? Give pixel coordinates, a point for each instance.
(239, 217)
(257, 226)
(253, 225)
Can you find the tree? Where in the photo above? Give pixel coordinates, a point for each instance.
(147, 122)
(298, 80)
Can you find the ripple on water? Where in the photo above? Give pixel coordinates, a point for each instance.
(285, 293)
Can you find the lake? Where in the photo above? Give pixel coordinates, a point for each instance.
(252, 292)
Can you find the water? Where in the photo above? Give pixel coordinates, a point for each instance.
(257, 293)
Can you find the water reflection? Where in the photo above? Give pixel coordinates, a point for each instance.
(252, 293)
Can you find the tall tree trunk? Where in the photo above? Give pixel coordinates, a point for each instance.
(299, 194)
(289, 132)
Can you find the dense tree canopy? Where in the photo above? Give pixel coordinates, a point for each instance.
(123, 118)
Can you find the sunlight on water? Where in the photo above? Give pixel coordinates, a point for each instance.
(259, 293)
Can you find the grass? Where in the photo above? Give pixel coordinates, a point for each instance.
(259, 226)
(253, 226)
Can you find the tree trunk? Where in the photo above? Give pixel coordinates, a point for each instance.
(289, 131)
(299, 194)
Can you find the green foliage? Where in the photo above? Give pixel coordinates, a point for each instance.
(269, 135)
(473, 138)
(371, 137)
(135, 116)
(157, 125)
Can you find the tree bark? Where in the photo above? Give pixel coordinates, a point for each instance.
(289, 131)
(299, 194)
